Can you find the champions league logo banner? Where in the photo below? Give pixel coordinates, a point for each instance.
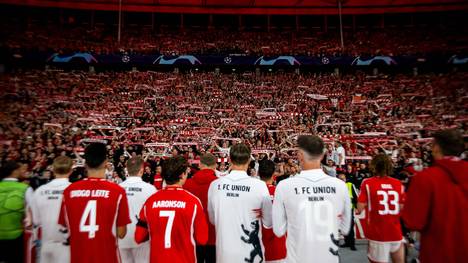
(241, 60)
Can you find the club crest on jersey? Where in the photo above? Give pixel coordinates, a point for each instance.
(254, 240)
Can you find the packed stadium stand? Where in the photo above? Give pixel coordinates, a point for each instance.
(164, 79)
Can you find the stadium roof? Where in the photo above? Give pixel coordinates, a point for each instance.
(263, 7)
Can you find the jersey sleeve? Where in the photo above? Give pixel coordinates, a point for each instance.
(279, 213)
(141, 231)
(402, 193)
(62, 220)
(211, 214)
(36, 219)
(123, 217)
(363, 196)
(346, 218)
(201, 226)
(418, 203)
(266, 207)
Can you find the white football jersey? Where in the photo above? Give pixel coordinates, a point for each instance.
(234, 202)
(137, 194)
(311, 207)
(45, 206)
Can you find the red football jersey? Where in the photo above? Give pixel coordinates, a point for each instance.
(383, 196)
(92, 209)
(275, 247)
(173, 219)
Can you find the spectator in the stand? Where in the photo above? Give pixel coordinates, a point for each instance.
(199, 185)
(361, 174)
(340, 151)
(12, 213)
(437, 202)
(330, 168)
(158, 180)
(148, 175)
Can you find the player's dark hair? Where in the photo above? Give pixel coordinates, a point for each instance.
(240, 154)
(173, 168)
(450, 142)
(8, 168)
(134, 165)
(62, 165)
(311, 144)
(381, 165)
(208, 159)
(266, 169)
(95, 155)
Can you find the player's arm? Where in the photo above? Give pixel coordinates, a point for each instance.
(201, 226)
(362, 198)
(141, 231)
(417, 203)
(360, 207)
(266, 207)
(211, 214)
(123, 218)
(279, 213)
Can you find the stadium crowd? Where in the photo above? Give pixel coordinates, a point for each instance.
(157, 115)
(167, 127)
(142, 40)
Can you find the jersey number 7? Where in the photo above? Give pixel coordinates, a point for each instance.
(170, 221)
(89, 212)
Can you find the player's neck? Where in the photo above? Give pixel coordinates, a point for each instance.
(100, 174)
(268, 181)
(176, 185)
(241, 168)
(61, 176)
(311, 166)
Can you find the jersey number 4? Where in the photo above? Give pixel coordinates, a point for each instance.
(390, 202)
(89, 212)
(170, 221)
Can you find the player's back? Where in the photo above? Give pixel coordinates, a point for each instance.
(46, 209)
(232, 202)
(93, 209)
(171, 215)
(137, 193)
(383, 196)
(314, 205)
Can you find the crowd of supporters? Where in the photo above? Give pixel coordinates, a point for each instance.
(143, 40)
(157, 115)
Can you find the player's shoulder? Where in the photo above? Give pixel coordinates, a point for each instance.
(394, 181)
(191, 197)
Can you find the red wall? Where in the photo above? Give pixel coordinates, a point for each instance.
(291, 7)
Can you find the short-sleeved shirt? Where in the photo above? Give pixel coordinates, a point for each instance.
(92, 209)
(312, 208)
(45, 204)
(234, 201)
(175, 222)
(137, 194)
(11, 208)
(383, 196)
